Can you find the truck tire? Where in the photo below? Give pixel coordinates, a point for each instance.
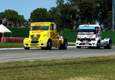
(43, 48)
(78, 47)
(26, 48)
(64, 45)
(98, 45)
(109, 45)
(49, 45)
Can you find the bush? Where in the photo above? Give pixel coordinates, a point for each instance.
(18, 32)
(109, 35)
(70, 35)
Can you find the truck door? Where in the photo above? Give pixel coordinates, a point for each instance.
(54, 35)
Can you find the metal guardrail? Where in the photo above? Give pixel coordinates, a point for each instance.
(71, 43)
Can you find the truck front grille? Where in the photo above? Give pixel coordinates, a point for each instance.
(86, 39)
(34, 41)
(35, 38)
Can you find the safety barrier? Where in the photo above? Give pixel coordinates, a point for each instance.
(12, 39)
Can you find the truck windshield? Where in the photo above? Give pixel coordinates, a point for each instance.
(40, 27)
(86, 32)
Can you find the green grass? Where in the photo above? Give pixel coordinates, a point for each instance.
(10, 45)
(96, 68)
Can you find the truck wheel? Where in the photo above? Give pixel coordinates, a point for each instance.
(78, 46)
(98, 45)
(109, 45)
(49, 45)
(43, 48)
(64, 45)
(26, 48)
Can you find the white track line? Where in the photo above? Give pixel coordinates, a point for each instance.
(11, 48)
(23, 48)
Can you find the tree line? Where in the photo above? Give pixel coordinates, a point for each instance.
(67, 14)
(11, 18)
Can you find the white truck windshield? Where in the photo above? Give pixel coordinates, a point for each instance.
(86, 31)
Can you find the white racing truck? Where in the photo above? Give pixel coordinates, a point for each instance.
(90, 36)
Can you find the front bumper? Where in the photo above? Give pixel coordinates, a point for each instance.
(86, 44)
(35, 45)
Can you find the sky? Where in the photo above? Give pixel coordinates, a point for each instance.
(25, 7)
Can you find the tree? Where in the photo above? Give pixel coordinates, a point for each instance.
(66, 13)
(12, 18)
(39, 13)
(60, 3)
(52, 13)
(11, 15)
(1, 15)
(87, 12)
(107, 14)
(20, 20)
(100, 10)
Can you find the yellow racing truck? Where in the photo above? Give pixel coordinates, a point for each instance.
(44, 35)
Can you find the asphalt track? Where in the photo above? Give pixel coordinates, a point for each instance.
(19, 54)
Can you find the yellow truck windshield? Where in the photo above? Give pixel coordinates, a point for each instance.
(40, 27)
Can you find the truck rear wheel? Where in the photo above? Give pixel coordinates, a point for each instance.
(49, 45)
(78, 47)
(109, 45)
(98, 45)
(64, 45)
(26, 48)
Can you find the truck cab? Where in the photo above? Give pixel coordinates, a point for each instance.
(44, 35)
(89, 35)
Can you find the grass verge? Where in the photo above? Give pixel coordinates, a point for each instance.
(96, 68)
(10, 45)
